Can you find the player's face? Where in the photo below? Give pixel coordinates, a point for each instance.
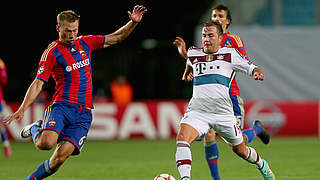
(210, 39)
(68, 32)
(221, 17)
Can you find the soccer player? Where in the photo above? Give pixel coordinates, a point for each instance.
(222, 14)
(4, 137)
(211, 105)
(67, 120)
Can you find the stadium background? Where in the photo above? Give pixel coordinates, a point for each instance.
(276, 33)
(280, 35)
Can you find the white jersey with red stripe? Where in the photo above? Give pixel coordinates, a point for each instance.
(213, 74)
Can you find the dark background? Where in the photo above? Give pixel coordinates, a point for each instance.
(154, 73)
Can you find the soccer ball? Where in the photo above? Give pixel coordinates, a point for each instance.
(164, 177)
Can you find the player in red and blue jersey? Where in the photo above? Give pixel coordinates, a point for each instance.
(4, 136)
(222, 14)
(67, 119)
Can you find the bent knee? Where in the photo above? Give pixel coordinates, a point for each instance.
(45, 145)
(47, 140)
(210, 136)
(182, 137)
(187, 133)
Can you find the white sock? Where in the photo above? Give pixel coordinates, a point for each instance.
(254, 158)
(183, 158)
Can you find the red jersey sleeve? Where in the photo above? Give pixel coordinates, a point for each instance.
(47, 61)
(94, 41)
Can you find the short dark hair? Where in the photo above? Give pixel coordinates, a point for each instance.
(216, 24)
(220, 7)
(69, 16)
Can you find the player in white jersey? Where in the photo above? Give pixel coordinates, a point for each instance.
(213, 74)
(222, 14)
(211, 106)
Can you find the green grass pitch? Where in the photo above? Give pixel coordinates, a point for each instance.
(289, 158)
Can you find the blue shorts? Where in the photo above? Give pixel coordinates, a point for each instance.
(70, 121)
(238, 109)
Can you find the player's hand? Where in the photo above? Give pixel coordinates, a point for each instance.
(257, 74)
(188, 77)
(18, 115)
(2, 65)
(181, 45)
(137, 13)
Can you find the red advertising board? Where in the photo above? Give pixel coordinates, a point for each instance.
(160, 119)
(285, 118)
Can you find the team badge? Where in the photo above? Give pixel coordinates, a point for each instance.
(209, 58)
(52, 122)
(82, 53)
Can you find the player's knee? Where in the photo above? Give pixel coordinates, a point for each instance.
(47, 140)
(210, 136)
(185, 137)
(182, 137)
(187, 133)
(45, 145)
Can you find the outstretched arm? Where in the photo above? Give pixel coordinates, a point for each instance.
(181, 45)
(122, 33)
(33, 91)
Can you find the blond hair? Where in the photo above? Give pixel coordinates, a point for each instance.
(69, 16)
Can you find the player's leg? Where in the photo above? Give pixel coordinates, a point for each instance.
(249, 154)
(48, 167)
(34, 128)
(238, 109)
(5, 141)
(71, 137)
(228, 129)
(261, 132)
(4, 136)
(192, 126)
(45, 132)
(212, 153)
(63, 151)
(186, 135)
(46, 140)
(256, 130)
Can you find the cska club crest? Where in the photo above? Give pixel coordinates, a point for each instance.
(83, 54)
(52, 122)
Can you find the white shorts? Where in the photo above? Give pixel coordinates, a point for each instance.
(224, 125)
